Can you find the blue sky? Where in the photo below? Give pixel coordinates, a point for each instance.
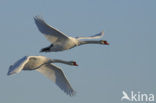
(103, 72)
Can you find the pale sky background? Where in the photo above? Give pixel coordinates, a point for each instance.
(129, 63)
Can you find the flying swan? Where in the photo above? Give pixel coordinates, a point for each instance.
(59, 41)
(44, 65)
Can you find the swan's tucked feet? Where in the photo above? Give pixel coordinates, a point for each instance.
(47, 49)
(63, 42)
(46, 67)
(104, 42)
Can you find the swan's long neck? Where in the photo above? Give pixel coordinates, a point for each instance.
(89, 42)
(60, 61)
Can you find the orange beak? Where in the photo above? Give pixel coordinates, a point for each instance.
(105, 42)
(74, 63)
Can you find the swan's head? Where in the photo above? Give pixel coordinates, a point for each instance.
(74, 63)
(104, 42)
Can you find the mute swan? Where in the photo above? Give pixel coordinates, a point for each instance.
(43, 65)
(62, 42)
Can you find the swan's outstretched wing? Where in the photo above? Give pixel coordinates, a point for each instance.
(55, 74)
(18, 66)
(96, 36)
(50, 32)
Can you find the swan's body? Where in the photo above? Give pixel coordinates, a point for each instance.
(43, 65)
(62, 42)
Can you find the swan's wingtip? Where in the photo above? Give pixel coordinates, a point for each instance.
(72, 94)
(8, 74)
(38, 17)
(102, 33)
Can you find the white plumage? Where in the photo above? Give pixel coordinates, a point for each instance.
(60, 41)
(44, 66)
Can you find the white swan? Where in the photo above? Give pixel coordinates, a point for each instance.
(62, 42)
(43, 65)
